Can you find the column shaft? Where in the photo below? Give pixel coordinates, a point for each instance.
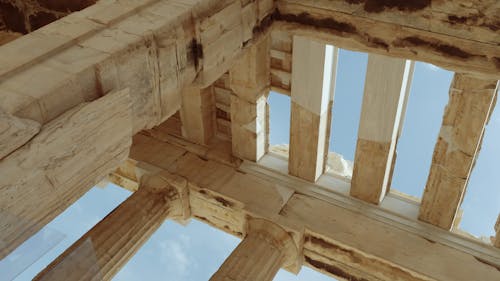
(260, 255)
(253, 259)
(102, 251)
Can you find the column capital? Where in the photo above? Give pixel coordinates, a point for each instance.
(175, 190)
(265, 249)
(279, 237)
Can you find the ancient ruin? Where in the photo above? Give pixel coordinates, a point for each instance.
(168, 98)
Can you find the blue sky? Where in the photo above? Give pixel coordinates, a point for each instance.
(174, 252)
(194, 252)
(427, 100)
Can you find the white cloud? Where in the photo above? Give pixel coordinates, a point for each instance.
(176, 254)
(185, 240)
(90, 222)
(432, 67)
(78, 207)
(126, 274)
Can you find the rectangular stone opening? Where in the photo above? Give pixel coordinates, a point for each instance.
(347, 103)
(420, 129)
(279, 123)
(345, 112)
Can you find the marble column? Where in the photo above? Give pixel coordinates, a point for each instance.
(107, 247)
(264, 250)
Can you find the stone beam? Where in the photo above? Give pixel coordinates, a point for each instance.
(107, 247)
(444, 33)
(339, 236)
(116, 44)
(452, 18)
(249, 80)
(383, 101)
(64, 160)
(197, 114)
(6, 36)
(310, 97)
(14, 132)
(26, 16)
(88, 54)
(470, 104)
(264, 250)
(155, 48)
(224, 34)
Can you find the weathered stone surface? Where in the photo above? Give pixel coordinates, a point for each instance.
(122, 44)
(29, 15)
(477, 20)
(249, 81)
(358, 242)
(470, 104)
(384, 98)
(369, 181)
(106, 248)
(248, 128)
(64, 160)
(224, 34)
(222, 98)
(14, 132)
(197, 114)
(264, 250)
(310, 104)
(307, 139)
(67, 87)
(395, 33)
(281, 61)
(6, 36)
(249, 77)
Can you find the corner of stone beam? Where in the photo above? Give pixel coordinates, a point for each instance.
(496, 239)
(287, 241)
(174, 189)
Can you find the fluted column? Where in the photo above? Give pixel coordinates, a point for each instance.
(265, 249)
(107, 247)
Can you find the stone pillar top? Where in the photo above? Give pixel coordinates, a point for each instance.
(175, 190)
(278, 237)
